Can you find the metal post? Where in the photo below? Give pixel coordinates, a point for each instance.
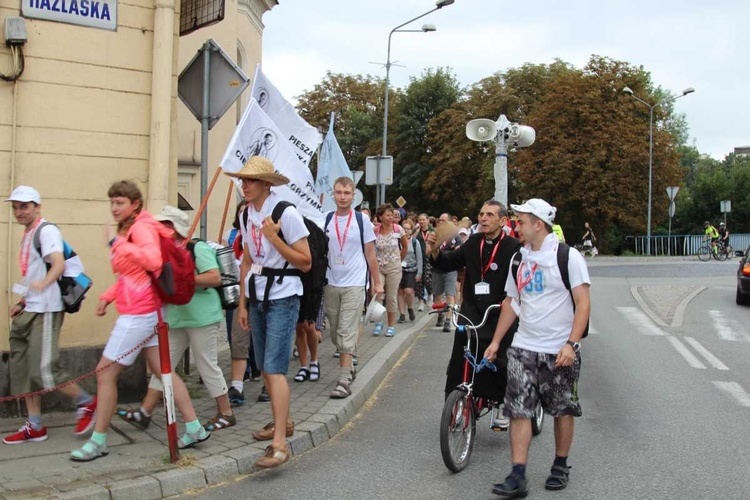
(385, 115)
(669, 246)
(650, 175)
(162, 331)
(204, 133)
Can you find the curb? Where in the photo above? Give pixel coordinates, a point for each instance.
(313, 432)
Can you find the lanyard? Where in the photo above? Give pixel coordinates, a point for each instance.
(522, 283)
(257, 241)
(23, 257)
(482, 268)
(346, 231)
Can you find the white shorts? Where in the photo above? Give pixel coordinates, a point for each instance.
(130, 331)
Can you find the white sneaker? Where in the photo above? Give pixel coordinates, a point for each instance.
(421, 307)
(498, 421)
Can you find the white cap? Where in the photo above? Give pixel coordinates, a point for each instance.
(25, 194)
(539, 208)
(463, 230)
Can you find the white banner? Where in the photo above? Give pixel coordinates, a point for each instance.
(258, 135)
(331, 166)
(302, 136)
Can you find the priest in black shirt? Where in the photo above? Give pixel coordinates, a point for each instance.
(486, 255)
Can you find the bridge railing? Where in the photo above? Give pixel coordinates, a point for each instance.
(679, 244)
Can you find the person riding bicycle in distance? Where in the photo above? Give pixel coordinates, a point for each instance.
(711, 233)
(724, 236)
(486, 255)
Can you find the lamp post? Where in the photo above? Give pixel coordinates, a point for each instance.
(439, 4)
(651, 108)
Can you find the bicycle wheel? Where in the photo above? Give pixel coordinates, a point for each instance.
(457, 430)
(704, 253)
(718, 254)
(538, 421)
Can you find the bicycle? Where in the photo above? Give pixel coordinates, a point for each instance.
(720, 252)
(462, 408)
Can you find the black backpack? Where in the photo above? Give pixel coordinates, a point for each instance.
(313, 280)
(563, 254)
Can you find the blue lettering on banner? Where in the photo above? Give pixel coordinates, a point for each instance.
(87, 8)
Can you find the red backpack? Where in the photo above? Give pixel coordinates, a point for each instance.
(175, 284)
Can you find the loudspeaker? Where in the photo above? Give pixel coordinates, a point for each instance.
(481, 130)
(521, 136)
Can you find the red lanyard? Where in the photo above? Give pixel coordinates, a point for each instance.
(257, 241)
(346, 231)
(482, 268)
(23, 257)
(522, 283)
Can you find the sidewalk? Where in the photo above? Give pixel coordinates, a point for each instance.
(138, 463)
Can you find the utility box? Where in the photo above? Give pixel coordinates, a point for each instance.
(15, 31)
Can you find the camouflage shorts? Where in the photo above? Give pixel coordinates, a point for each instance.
(532, 376)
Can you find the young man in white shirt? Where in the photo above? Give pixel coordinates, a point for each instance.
(37, 318)
(544, 359)
(273, 307)
(351, 255)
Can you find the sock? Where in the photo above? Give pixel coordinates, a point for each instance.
(35, 421)
(193, 427)
(144, 412)
(99, 438)
(238, 384)
(345, 373)
(561, 461)
(520, 469)
(84, 399)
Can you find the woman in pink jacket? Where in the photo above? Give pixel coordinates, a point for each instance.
(135, 254)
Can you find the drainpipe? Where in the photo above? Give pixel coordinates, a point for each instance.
(9, 249)
(161, 105)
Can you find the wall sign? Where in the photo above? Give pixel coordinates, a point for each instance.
(93, 13)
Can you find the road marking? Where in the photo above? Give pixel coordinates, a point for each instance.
(735, 391)
(638, 319)
(728, 329)
(592, 329)
(680, 347)
(713, 360)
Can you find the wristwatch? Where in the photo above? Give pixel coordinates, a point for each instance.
(575, 345)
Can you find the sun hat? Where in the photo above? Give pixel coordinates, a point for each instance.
(25, 194)
(374, 312)
(260, 168)
(177, 217)
(539, 208)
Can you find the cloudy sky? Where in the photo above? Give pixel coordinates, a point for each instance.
(686, 43)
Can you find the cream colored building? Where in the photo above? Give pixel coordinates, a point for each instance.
(95, 106)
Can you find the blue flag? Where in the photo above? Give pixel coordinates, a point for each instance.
(331, 166)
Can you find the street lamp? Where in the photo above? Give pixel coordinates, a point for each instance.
(651, 108)
(380, 191)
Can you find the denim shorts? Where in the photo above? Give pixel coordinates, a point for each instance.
(273, 331)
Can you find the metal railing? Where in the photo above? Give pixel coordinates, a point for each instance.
(679, 244)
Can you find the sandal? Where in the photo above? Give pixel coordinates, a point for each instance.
(190, 439)
(220, 421)
(390, 331)
(135, 417)
(302, 375)
(90, 451)
(513, 487)
(378, 329)
(342, 390)
(273, 457)
(314, 371)
(558, 478)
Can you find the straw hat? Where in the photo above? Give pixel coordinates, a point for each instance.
(262, 169)
(444, 232)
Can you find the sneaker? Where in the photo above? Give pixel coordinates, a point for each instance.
(447, 325)
(440, 320)
(266, 433)
(25, 434)
(190, 439)
(86, 415)
(498, 421)
(236, 398)
(355, 361)
(411, 315)
(401, 319)
(220, 421)
(337, 354)
(273, 457)
(421, 307)
(263, 397)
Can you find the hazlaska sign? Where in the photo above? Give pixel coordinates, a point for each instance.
(93, 13)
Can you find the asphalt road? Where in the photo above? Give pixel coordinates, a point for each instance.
(666, 408)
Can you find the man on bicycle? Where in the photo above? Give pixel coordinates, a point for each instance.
(486, 256)
(711, 233)
(724, 237)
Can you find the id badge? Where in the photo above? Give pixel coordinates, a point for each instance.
(256, 269)
(339, 260)
(482, 288)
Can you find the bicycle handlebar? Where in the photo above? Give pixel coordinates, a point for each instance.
(444, 308)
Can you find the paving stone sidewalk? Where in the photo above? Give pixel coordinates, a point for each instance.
(138, 463)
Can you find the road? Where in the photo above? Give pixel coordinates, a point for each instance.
(664, 389)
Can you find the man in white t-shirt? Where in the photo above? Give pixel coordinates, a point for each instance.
(544, 359)
(279, 252)
(37, 318)
(351, 254)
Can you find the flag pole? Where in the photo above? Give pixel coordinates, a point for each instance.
(197, 218)
(226, 211)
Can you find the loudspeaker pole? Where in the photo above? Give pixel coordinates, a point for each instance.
(501, 161)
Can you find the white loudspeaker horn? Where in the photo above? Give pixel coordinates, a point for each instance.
(481, 130)
(522, 136)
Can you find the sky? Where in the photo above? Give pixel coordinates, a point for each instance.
(687, 43)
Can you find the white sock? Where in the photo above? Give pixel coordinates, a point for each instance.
(238, 384)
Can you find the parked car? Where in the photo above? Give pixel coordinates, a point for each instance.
(743, 280)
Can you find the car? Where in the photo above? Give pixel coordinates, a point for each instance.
(743, 280)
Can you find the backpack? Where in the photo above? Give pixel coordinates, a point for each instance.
(313, 280)
(563, 255)
(229, 290)
(73, 282)
(175, 283)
